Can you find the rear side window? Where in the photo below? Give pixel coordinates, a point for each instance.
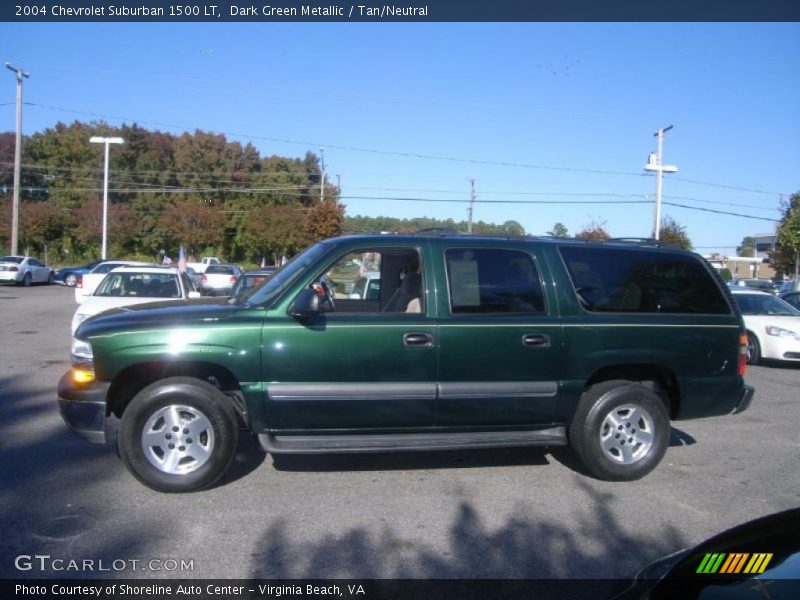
(620, 280)
(220, 270)
(493, 281)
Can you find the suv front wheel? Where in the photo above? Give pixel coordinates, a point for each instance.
(620, 430)
(178, 435)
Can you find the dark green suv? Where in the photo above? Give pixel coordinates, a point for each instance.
(467, 342)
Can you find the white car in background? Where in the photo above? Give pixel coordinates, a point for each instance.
(773, 326)
(24, 270)
(87, 283)
(127, 286)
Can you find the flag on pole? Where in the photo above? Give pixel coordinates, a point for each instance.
(182, 261)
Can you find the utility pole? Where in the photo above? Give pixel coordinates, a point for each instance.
(471, 204)
(322, 174)
(655, 163)
(17, 160)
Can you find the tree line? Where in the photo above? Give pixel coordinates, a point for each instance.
(214, 196)
(198, 190)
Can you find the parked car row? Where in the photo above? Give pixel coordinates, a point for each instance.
(765, 285)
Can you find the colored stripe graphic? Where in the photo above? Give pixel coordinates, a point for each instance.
(758, 564)
(711, 563)
(734, 563)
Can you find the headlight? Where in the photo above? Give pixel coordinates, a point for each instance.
(81, 353)
(781, 332)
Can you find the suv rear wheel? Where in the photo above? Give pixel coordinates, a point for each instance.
(178, 435)
(620, 430)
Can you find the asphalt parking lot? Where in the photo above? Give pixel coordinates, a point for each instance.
(488, 514)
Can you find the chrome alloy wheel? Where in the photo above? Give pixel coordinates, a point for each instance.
(626, 435)
(178, 439)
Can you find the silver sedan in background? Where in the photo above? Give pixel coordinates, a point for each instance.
(24, 270)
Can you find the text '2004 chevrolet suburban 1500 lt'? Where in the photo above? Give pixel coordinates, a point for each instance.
(463, 342)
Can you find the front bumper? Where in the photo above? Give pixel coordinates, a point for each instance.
(745, 400)
(83, 407)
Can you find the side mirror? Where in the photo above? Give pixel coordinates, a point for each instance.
(306, 304)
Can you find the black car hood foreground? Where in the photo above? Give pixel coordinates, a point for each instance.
(768, 547)
(177, 312)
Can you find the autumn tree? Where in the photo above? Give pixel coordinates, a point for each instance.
(595, 231)
(193, 226)
(274, 231)
(40, 224)
(324, 220)
(673, 233)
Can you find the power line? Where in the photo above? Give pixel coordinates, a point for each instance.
(278, 188)
(350, 148)
(727, 187)
(397, 153)
(721, 212)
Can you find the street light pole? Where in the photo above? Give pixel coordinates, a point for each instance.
(17, 160)
(106, 141)
(656, 163)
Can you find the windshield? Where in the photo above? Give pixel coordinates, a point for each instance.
(141, 285)
(264, 294)
(11, 259)
(756, 304)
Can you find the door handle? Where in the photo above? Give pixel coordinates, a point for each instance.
(418, 340)
(536, 340)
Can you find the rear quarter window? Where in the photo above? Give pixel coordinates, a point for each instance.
(486, 280)
(642, 281)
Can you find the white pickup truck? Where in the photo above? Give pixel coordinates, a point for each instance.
(200, 267)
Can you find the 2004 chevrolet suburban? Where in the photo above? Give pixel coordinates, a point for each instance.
(463, 342)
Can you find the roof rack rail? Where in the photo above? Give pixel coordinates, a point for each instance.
(635, 240)
(438, 231)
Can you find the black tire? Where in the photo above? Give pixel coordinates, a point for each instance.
(194, 408)
(51, 278)
(70, 279)
(753, 349)
(26, 280)
(610, 446)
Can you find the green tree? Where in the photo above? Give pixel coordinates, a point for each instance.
(559, 231)
(787, 250)
(747, 247)
(673, 233)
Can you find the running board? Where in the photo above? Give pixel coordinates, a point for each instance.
(342, 444)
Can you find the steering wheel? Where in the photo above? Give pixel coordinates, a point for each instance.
(325, 295)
